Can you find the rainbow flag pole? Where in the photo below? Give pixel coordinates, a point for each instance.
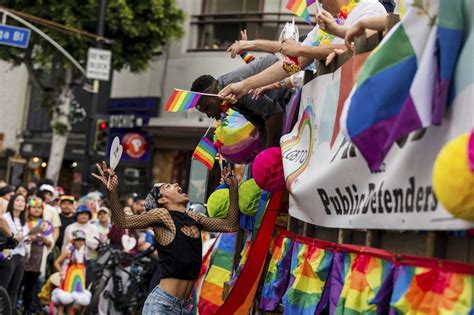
(181, 100)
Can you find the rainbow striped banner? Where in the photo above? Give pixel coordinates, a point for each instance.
(205, 153)
(361, 285)
(219, 272)
(299, 8)
(310, 268)
(247, 57)
(278, 272)
(182, 100)
(421, 291)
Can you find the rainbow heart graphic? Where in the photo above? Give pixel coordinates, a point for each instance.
(298, 149)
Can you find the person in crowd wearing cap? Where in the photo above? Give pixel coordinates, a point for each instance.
(83, 217)
(11, 270)
(72, 269)
(50, 213)
(103, 222)
(66, 204)
(177, 234)
(6, 192)
(41, 243)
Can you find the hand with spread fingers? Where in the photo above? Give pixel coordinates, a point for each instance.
(107, 177)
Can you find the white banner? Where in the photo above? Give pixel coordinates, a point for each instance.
(331, 184)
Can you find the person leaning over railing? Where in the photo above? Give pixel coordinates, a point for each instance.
(321, 45)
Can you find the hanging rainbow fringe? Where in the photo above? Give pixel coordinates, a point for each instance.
(243, 257)
(362, 284)
(219, 272)
(310, 266)
(421, 291)
(276, 279)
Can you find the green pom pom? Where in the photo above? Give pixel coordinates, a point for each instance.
(249, 197)
(218, 203)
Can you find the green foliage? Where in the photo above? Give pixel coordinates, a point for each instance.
(138, 29)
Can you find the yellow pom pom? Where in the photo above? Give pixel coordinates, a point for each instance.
(453, 181)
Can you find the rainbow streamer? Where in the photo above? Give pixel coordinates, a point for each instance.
(247, 57)
(361, 285)
(421, 291)
(276, 279)
(182, 100)
(244, 254)
(310, 268)
(219, 272)
(75, 279)
(205, 153)
(299, 8)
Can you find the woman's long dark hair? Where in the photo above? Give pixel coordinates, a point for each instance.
(10, 208)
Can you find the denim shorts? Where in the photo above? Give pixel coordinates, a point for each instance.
(160, 302)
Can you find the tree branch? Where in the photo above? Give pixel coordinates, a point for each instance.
(35, 76)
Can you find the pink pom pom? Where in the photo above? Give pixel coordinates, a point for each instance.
(470, 151)
(267, 170)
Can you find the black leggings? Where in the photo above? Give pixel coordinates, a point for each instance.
(29, 281)
(11, 274)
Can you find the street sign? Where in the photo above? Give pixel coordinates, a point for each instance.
(14, 36)
(98, 64)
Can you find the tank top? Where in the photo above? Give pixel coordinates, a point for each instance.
(181, 259)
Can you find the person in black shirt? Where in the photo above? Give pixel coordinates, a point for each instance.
(66, 203)
(265, 112)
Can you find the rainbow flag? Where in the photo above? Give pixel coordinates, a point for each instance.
(205, 153)
(299, 8)
(362, 284)
(244, 254)
(75, 279)
(219, 272)
(310, 268)
(404, 83)
(278, 271)
(421, 291)
(247, 57)
(182, 100)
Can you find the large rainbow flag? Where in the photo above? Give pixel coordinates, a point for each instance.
(278, 271)
(404, 83)
(361, 285)
(220, 271)
(310, 266)
(181, 100)
(421, 291)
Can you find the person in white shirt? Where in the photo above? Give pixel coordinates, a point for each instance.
(11, 270)
(83, 217)
(50, 213)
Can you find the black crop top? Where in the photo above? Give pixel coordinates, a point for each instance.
(182, 258)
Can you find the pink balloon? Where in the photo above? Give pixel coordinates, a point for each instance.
(470, 151)
(267, 170)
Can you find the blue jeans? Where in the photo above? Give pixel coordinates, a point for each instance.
(160, 302)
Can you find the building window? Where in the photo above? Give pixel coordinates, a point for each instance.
(221, 21)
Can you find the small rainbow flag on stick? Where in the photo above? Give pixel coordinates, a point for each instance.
(205, 152)
(247, 57)
(299, 8)
(182, 100)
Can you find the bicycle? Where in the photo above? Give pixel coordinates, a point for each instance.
(119, 270)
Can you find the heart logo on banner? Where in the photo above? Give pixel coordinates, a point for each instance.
(128, 242)
(297, 147)
(116, 151)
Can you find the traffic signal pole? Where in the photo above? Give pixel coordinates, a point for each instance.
(93, 108)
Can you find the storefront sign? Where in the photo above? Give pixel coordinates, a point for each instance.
(135, 145)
